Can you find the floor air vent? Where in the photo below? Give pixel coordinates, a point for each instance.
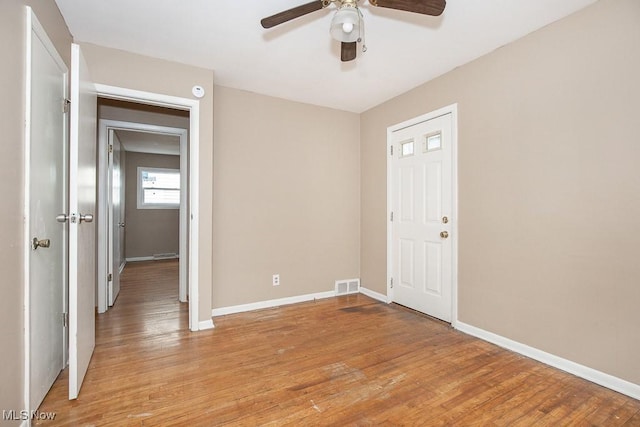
(345, 287)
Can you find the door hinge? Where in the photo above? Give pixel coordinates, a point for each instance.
(109, 277)
(391, 283)
(66, 105)
(392, 150)
(110, 148)
(391, 217)
(65, 320)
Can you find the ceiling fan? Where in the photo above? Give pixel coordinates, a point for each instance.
(347, 26)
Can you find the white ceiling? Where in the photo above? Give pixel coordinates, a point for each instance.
(143, 142)
(298, 60)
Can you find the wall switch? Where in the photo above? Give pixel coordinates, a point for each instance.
(276, 279)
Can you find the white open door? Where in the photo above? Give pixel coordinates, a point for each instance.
(82, 236)
(45, 183)
(116, 222)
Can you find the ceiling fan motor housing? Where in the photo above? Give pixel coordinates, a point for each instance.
(346, 23)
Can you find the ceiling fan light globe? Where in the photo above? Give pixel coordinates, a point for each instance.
(345, 25)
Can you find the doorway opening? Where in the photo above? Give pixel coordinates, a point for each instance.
(422, 203)
(143, 191)
(171, 117)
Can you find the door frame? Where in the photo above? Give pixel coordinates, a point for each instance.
(453, 110)
(193, 107)
(104, 189)
(33, 27)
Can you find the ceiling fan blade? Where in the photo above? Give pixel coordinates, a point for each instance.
(289, 14)
(348, 52)
(425, 7)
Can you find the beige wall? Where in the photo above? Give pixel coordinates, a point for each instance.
(548, 187)
(123, 69)
(149, 231)
(12, 84)
(286, 197)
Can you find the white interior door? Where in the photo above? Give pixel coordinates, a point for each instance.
(121, 229)
(421, 180)
(47, 199)
(82, 205)
(116, 224)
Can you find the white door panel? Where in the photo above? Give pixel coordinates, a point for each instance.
(114, 209)
(46, 189)
(421, 187)
(433, 268)
(82, 202)
(121, 229)
(407, 194)
(433, 192)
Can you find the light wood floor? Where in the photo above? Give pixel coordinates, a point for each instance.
(339, 361)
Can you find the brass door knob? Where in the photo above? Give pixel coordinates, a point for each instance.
(444, 234)
(40, 243)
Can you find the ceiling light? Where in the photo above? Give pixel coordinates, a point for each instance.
(345, 25)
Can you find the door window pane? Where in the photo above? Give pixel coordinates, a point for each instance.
(407, 148)
(433, 142)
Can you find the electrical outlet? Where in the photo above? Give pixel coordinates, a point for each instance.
(276, 280)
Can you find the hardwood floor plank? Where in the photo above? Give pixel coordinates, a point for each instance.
(339, 361)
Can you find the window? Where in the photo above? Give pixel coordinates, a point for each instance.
(407, 148)
(158, 188)
(433, 142)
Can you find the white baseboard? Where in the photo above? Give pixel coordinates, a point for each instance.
(148, 258)
(289, 300)
(139, 258)
(270, 303)
(590, 374)
(205, 324)
(122, 266)
(373, 294)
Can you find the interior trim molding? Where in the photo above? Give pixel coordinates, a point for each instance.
(139, 258)
(373, 294)
(270, 303)
(609, 381)
(205, 324)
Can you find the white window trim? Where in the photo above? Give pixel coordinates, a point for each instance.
(141, 204)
